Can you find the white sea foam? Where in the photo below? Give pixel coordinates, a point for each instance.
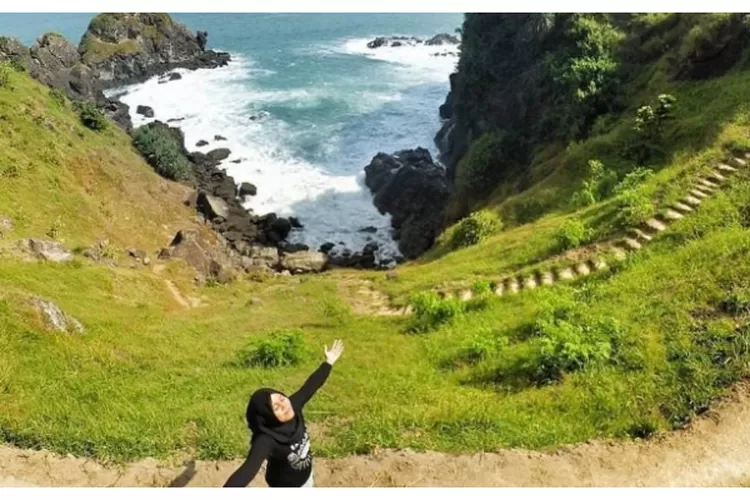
(331, 200)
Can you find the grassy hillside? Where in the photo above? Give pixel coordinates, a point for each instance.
(639, 348)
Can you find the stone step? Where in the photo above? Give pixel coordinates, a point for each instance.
(599, 264)
(583, 269)
(670, 214)
(708, 184)
(691, 200)
(739, 162)
(681, 207)
(723, 167)
(641, 234)
(512, 286)
(631, 244)
(500, 289)
(529, 283)
(566, 274)
(717, 175)
(547, 278)
(698, 193)
(618, 253)
(656, 225)
(466, 295)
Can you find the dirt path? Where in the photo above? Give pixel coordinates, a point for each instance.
(714, 451)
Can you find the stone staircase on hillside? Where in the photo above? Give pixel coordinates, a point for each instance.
(635, 238)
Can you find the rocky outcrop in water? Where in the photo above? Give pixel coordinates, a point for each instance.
(410, 187)
(130, 48)
(412, 41)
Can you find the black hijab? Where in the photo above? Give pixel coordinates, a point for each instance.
(261, 419)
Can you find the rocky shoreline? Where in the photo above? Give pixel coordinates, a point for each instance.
(123, 49)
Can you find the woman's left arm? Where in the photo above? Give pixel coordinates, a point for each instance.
(318, 377)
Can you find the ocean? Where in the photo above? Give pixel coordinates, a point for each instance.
(327, 104)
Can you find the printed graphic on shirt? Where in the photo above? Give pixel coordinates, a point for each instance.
(300, 457)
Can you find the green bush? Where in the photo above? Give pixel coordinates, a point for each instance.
(57, 97)
(482, 288)
(633, 179)
(737, 302)
(91, 117)
(634, 207)
(487, 162)
(572, 234)
(475, 228)
(481, 346)
(430, 311)
(597, 185)
(162, 150)
(5, 72)
(280, 348)
(570, 343)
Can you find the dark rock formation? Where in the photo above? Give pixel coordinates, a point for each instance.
(201, 143)
(130, 48)
(247, 189)
(146, 111)
(296, 224)
(443, 38)
(219, 138)
(413, 190)
(217, 155)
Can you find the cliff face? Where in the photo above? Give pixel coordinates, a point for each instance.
(128, 48)
(546, 78)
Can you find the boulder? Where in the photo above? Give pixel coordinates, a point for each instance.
(137, 254)
(220, 138)
(279, 229)
(294, 247)
(410, 187)
(326, 247)
(378, 42)
(49, 250)
(304, 262)
(259, 256)
(201, 143)
(212, 206)
(13, 51)
(247, 189)
(296, 224)
(125, 48)
(174, 120)
(369, 229)
(217, 155)
(174, 76)
(443, 38)
(55, 318)
(146, 111)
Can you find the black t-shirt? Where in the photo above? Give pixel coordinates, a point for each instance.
(289, 464)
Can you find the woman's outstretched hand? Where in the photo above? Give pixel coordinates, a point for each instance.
(334, 353)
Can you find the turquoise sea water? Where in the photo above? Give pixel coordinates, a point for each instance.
(330, 105)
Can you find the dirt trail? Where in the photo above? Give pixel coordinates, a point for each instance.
(714, 451)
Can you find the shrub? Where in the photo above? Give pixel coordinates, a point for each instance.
(482, 288)
(162, 150)
(57, 97)
(5, 72)
(572, 234)
(568, 345)
(91, 117)
(480, 347)
(488, 161)
(280, 348)
(475, 228)
(430, 311)
(598, 184)
(635, 207)
(55, 229)
(633, 179)
(737, 302)
(649, 127)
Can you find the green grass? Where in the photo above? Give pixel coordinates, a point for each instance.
(149, 378)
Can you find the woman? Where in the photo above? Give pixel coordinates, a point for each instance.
(279, 432)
